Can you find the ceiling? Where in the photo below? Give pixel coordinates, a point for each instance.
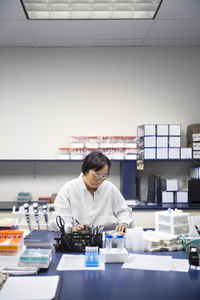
(176, 24)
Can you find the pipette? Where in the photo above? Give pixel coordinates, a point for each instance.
(26, 211)
(45, 212)
(35, 210)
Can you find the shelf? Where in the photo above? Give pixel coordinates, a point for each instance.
(184, 206)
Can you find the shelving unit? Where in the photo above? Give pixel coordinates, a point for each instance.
(128, 176)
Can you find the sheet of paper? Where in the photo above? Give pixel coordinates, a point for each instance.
(180, 265)
(148, 262)
(70, 262)
(29, 288)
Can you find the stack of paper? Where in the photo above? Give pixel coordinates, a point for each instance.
(160, 241)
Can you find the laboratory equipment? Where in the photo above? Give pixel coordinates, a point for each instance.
(36, 257)
(174, 222)
(27, 215)
(36, 212)
(194, 255)
(113, 255)
(120, 241)
(77, 241)
(45, 212)
(91, 257)
(109, 240)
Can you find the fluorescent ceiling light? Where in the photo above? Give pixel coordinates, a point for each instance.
(90, 9)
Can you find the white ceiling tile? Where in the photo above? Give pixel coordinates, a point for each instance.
(172, 42)
(86, 42)
(14, 29)
(97, 29)
(11, 9)
(175, 29)
(179, 9)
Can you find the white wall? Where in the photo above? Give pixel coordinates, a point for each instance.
(49, 94)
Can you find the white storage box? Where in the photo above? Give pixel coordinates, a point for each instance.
(175, 141)
(147, 129)
(196, 137)
(149, 153)
(171, 185)
(162, 141)
(162, 129)
(175, 129)
(196, 154)
(162, 153)
(186, 153)
(195, 173)
(182, 197)
(114, 255)
(174, 153)
(149, 141)
(167, 197)
(174, 222)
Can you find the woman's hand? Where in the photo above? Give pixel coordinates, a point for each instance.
(121, 227)
(80, 227)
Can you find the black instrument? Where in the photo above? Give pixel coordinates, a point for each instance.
(77, 241)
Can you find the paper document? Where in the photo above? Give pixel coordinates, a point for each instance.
(180, 265)
(156, 263)
(148, 262)
(30, 288)
(70, 262)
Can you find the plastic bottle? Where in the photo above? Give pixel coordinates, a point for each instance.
(120, 241)
(109, 239)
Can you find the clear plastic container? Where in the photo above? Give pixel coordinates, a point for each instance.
(105, 142)
(36, 257)
(92, 142)
(109, 240)
(91, 256)
(77, 153)
(120, 241)
(118, 141)
(118, 153)
(131, 153)
(130, 142)
(77, 142)
(64, 153)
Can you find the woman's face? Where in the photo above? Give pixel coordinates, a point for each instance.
(94, 178)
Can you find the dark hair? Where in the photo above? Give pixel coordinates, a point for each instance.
(95, 160)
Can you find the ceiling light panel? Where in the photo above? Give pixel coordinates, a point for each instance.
(90, 9)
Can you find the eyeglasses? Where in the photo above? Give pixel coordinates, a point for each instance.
(98, 176)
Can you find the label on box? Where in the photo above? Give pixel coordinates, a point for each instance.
(196, 137)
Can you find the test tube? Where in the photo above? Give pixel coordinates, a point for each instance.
(120, 241)
(109, 239)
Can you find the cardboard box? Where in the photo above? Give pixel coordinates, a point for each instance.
(175, 129)
(186, 153)
(162, 153)
(162, 129)
(162, 141)
(193, 133)
(149, 153)
(149, 141)
(171, 185)
(167, 197)
(182, 197)
(175, 141)
(174, 153)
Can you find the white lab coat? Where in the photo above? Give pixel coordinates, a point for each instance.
(75, 202)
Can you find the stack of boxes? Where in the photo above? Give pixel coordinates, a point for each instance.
(162, 141)
(172, 193)
(193, 139)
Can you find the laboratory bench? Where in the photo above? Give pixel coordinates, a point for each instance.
(115, 283)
